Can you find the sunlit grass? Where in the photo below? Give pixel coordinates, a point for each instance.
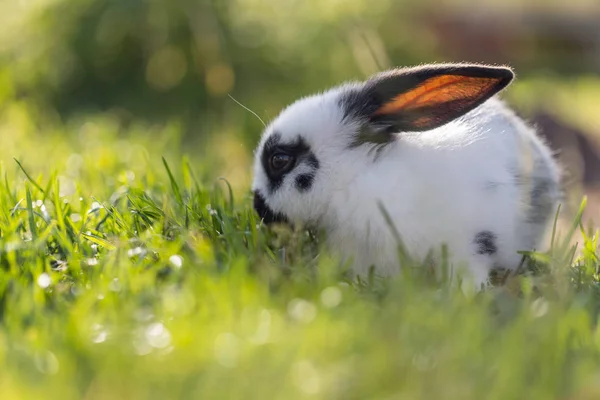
(128, 269)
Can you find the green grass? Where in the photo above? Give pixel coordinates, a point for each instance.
(124, 275)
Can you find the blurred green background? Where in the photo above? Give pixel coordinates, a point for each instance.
(171, 65)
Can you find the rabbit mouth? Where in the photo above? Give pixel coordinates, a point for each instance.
(267, 215)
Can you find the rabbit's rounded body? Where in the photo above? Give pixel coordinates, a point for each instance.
(482, 183)
(462, 184)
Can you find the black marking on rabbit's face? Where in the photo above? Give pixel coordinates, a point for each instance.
(264, 211)
(305, 181)
(279, 159)
(486, 243)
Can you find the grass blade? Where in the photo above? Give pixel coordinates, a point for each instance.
(32, 226)
(99, 241)
(174, 185)
(33, 182)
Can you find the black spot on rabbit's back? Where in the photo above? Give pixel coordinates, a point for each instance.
(486, 243)
(541, 200)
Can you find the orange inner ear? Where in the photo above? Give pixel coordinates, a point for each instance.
(438, 90)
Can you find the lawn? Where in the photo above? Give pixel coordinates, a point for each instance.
(129, 270)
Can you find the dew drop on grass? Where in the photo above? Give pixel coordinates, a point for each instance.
(136, 251)
(44, 280)
(176, 261)
(59, 265)
(95, 207)
(539, 307)
(158, 336)
(99, 333)
(100, 337)
(211, 210)
(75, 217)
(45, 213)
(92, 261)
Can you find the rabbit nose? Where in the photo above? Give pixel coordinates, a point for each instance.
(264, 212)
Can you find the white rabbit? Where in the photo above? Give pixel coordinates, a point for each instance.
(434, 146)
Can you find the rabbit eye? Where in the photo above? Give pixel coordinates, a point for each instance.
(281, 162)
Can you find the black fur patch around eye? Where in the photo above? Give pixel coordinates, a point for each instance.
(271, 144)
(486, 243)
(304, 181)
(301, 152)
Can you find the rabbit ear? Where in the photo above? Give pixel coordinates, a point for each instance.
(426, 97)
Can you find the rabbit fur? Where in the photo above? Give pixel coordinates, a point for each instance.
(434, 146)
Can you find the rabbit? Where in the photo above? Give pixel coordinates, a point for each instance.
(435, 147)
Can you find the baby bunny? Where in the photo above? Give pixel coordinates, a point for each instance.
(431, 145)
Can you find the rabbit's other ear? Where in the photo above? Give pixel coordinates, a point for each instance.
(429, 96)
